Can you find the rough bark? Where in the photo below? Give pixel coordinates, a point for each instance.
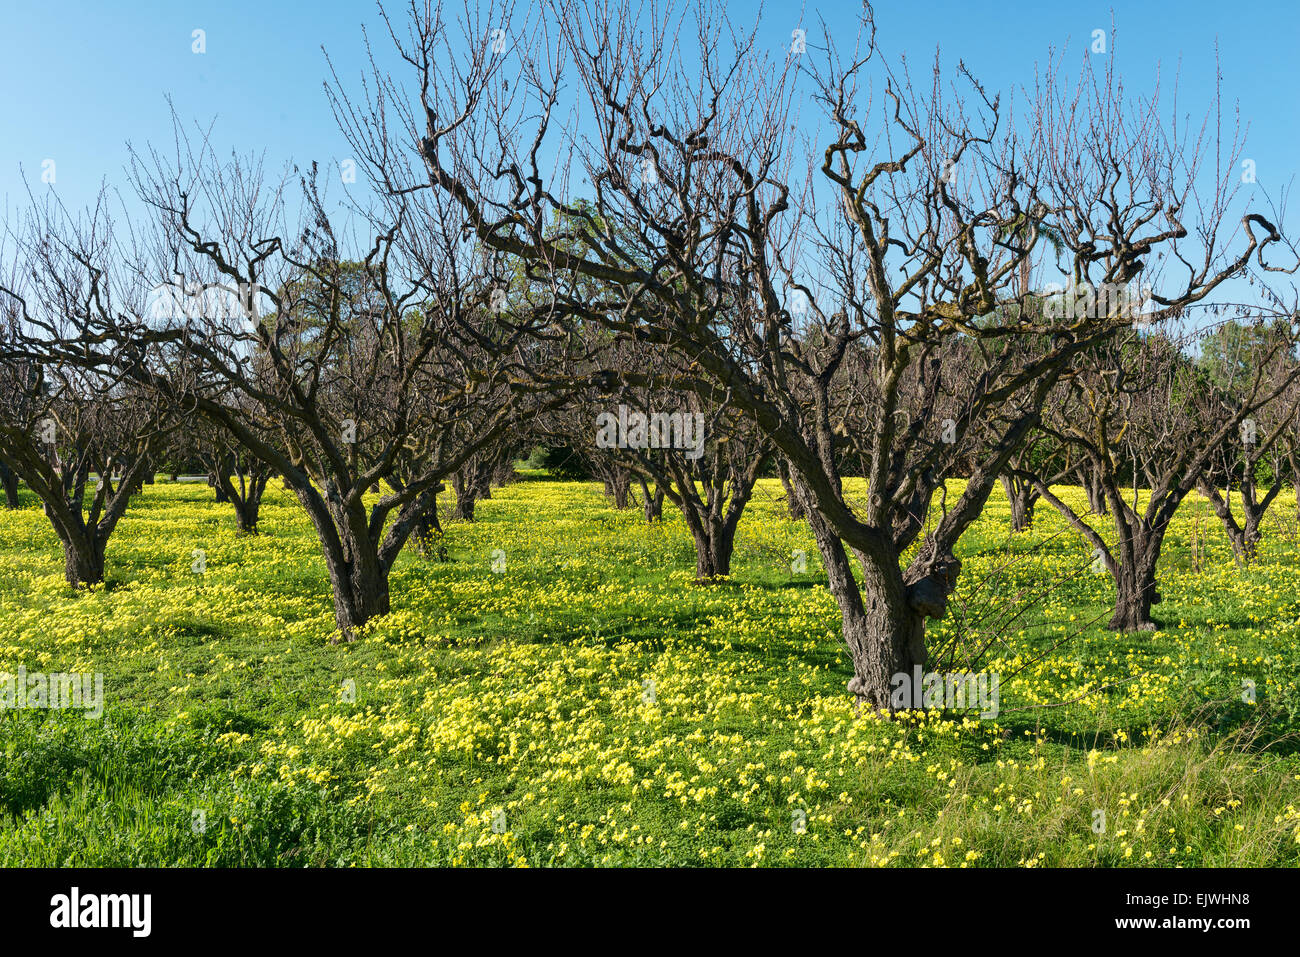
(83, 556)
(1022, 497)
(1295, 485)
(360, 547)
(712, 508)
(245, 494)
(1096, 494)
(1136, 592)
(9, 478)
(360, 589)
(473, 482)
(885, 635)
(1132, 565)
(714, 543)
(358, 577)
(653, 501)
(796, 507)
(618, 486)
(246, 512)
(467, 494)
(884, 617)
(247, 499)
(1244, 534)
(503, 473)
(428, 530)
(218, 486)
(85, 534)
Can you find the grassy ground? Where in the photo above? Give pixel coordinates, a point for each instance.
(589, 704)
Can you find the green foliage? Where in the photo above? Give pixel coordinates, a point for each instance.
(590, 705)
(560, 462)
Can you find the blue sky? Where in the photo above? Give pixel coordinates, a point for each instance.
(84, 77)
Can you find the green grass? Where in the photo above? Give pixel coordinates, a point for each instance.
(591, 705)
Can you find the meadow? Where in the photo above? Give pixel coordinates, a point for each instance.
(560, 692)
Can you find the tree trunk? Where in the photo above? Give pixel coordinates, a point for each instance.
(1251, 534)
(654, 502)
(1245, 535)
(214, 481)
(1022, 498)
(10, 480)
(504, 473)
(617, 487)
(884, 634)
(714, 544)
(246, 511)
(797, 511)
(1136, 589)
(358, 580)
(83, 558)
(428, 529)
(466, 496)
(358, 577)
(1295, 481)
(246, 497)
(360, 592)
(74, 483)
(1096, 494)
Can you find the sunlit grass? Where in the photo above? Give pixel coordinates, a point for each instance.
(591, 705)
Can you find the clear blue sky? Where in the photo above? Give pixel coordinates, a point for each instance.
(82, 77)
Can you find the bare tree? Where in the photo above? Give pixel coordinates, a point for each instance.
(1258, 460)
(700, 237)
(1148, 418)
(795, 507)
(334, 362)
(60, 428)
(9, 479)
(238, 477)
(1021, 495)
(62, 422)
(705, 457)
(474, 480)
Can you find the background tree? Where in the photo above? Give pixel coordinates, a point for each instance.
(63, 429)
(332, 370)
(696, 166)
(1147, 417)
(1257, 462)
(238, 477)
(65, 419)
(702, 455)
